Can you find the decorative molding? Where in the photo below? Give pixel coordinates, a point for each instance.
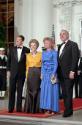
(59, 3)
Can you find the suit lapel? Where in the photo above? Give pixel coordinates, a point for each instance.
(22, 54)
(59, 47)
(15, 53)
(64, 49)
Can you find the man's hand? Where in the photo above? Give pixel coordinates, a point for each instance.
(71, 75)
(78, 72)
(8, 74)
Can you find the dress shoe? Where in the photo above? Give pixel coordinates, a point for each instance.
(10, 111)
(68, 114)
(80, 96)
(18, 110)
(23, 97)
(47, 112)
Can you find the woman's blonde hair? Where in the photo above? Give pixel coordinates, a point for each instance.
(51, 40)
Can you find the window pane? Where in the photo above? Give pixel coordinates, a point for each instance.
(10, 18)
(3, 7)
(5, 18)
(10, 6)
(7, 21)
(10, 34)
(11, 1)
(3, 1)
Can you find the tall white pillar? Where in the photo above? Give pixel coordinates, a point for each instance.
(77, 27)
(23, 19)
(42, 19)
(27, 20)
(33, 19)
(17, 17)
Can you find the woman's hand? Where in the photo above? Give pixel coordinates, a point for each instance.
(41, 77)
(53, 79)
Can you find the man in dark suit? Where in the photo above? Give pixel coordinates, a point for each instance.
(16, 69)
(68, 60)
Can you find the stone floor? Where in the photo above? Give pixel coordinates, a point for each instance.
(76, 119)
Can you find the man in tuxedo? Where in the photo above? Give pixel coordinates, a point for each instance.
(16, 67)
(68, 60)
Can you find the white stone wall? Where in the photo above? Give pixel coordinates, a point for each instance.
(68, 15)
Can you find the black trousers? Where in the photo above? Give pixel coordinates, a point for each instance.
(67, 93)
(76, 82)
(80, 85)
(3, 80)
(16, 83)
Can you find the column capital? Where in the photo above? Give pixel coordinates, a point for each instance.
(60, 3)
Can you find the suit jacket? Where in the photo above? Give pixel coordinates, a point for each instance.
(13, 65)
(68, 60)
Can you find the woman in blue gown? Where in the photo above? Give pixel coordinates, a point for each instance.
(49, 96)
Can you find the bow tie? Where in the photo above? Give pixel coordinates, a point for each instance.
(19, 47)
(64, 42)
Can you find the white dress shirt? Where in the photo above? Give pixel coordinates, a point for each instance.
(2, 56)
(19, 51)
(62, 47)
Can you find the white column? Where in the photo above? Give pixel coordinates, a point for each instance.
(42, 19)
(57, 24)
(17, 17)
(23, 19)
(33, 19)
(63, 17)
(27, 20)
(76, 25)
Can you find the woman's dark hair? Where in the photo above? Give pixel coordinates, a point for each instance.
(34, 41)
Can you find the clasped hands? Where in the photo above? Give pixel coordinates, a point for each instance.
(53, 78)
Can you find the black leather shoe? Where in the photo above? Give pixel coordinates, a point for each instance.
(10, 111)
(67, 114)
(80, 96)
(18, 110)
